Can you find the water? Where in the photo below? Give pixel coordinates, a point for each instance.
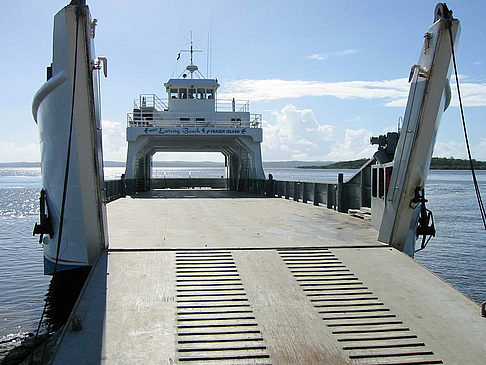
(457, 254)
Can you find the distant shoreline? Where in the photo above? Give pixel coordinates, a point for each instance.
(438, 163)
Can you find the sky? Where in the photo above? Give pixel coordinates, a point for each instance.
(325, 75)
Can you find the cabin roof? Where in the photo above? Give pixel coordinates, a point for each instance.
(192, 82)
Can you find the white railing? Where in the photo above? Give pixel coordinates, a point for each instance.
(231, 105)
(149, 111)
(256, 122)
(150, 102)
(222, 105)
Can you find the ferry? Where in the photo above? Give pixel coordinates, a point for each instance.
(210, 271)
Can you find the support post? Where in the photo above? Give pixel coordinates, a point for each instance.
(340, 197)
(331, 196)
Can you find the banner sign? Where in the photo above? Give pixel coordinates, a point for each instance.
(185, 131)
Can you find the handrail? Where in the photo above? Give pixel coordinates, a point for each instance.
(227, 105)
(161, 104)
(150, 101)
(177, 123)
(48, 87)
(139, 121)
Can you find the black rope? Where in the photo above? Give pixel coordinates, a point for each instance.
(64, 192)
(475, 181)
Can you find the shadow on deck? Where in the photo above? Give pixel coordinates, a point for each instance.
(194, 194)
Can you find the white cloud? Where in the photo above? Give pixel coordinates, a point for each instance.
(479, 151)
(356, 145)
(15, 152)
(114, 142)
(393, 93)
(274, 89)
(326, 56)
(450, 149)
(295, 134)
(458, 149)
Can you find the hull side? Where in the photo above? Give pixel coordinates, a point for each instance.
(83, 221)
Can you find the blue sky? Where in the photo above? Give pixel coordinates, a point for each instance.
(326, 75)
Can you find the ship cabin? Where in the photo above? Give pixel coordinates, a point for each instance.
(191, 102)
(192, 119)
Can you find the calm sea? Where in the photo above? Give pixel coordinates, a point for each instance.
(457, 254)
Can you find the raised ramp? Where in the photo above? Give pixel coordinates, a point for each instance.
(283, 303)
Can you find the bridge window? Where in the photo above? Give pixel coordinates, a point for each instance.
(201, 94)
(200, 119)
(182, 93)
(209, 93)
(184, 119)
(192, 93)
(173, 93)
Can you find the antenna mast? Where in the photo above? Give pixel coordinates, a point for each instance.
(191, 67)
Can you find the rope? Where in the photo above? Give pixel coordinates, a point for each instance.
(475, 181)
(64, 192)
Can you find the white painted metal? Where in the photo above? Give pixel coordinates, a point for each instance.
(191, 122)
(428, 98)
(84, 228)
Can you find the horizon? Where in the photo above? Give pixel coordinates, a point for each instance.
(222, 162)
(323, 85)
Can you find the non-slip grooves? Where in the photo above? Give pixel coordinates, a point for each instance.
(215, 322)
(365, 327)
(212, 340)
(219, 358)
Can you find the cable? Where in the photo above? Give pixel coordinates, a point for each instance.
(64, 192)
(475, 181)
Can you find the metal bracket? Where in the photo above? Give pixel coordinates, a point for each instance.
(45, 225)
(427, 38)
(423, 72)
(97, 63)
(94, 23)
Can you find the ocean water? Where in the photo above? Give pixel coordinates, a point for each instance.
(457, 253)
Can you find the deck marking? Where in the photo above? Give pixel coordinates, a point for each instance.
(215, 322)
(353, 313)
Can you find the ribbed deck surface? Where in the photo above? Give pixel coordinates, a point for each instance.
(278, 301)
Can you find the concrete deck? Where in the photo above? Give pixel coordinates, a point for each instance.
(279, 282)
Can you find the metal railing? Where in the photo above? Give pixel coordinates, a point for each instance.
(145, 119)
(150, 101)
(230, 105)
(159, 104)
(328, 194)
(317, 193)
